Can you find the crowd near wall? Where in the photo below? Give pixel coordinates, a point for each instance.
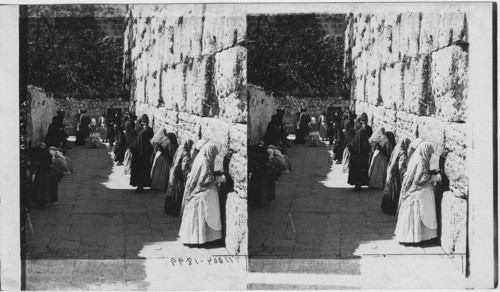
(187, 69)
(409, 74)
(42, 109)
(314, 105)
(95, 107)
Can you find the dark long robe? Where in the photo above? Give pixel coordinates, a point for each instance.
(120, 147)
(142, 150)
(262, 183)
(177, 179)
(395, 173)
(160, 173)
(303, 130)
(359, 159)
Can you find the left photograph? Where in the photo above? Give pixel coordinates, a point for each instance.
(133, 147)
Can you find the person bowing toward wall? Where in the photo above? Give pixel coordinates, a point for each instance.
(201, 220)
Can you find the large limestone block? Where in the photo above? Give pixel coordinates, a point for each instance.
(236, 224)
(224, 27)
(454, 224)
(456, 169)
(366, 31)
(372, 88)
(192, 32)
(360, 89)
(216, 131)
(391, 87)
(429, 32)
(409, 34)
(261, 107)
(432, 130)
(140, 90)
(197, 83)
(456, 138)
(173, 87)
(230, 77)
(238, 138)
(416, 86)
(189, 125)
(449, 83)
(153, 88)
(238, 170)
(406, 125)
(452, 28)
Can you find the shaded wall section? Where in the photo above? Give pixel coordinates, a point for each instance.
(187, 68)
(262, 105)
(409, 74)
(41, 111)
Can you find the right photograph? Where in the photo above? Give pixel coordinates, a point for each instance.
(358, 145)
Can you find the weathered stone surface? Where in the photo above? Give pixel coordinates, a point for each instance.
(174, 88)
(230, 77)
(216, 131)
(406, 125)
(360, 89)
(456, 169)
(191, 32)
(197, 81)
(42, 109)
(238, 166)
(454, 224)
(261, 107)
(391, 89)
(409, 34)
(189, 126)
(449, 83)
(432, 130)
(372, 88)
(236, 226)
(416, 86)
(224, 27)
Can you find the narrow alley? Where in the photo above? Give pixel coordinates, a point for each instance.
(319, 225)
(103, 235)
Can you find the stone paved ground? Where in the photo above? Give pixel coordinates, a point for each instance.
(320, 228)
(102, 235)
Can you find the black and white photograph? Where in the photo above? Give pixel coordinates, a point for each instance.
(249, 146)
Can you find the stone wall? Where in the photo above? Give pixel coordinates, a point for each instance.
(95, 108)
(187, 69)
(262, 106)
(409, 74)
(315, 106)
(42, 109)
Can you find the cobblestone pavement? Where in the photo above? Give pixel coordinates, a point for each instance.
(320, 228)
(103, 235)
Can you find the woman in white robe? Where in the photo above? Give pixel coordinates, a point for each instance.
(417, 220)
(201, 221)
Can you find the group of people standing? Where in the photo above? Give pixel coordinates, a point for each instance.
(401, 170)
(321, 129)
(184, 171)
(91, 132)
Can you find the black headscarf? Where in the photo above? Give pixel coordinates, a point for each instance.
(350, 135)
(142, 144)
(360, 145)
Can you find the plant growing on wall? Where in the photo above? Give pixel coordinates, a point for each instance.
(69, 55)
(292, 53)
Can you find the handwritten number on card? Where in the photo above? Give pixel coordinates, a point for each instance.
(172, 260)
